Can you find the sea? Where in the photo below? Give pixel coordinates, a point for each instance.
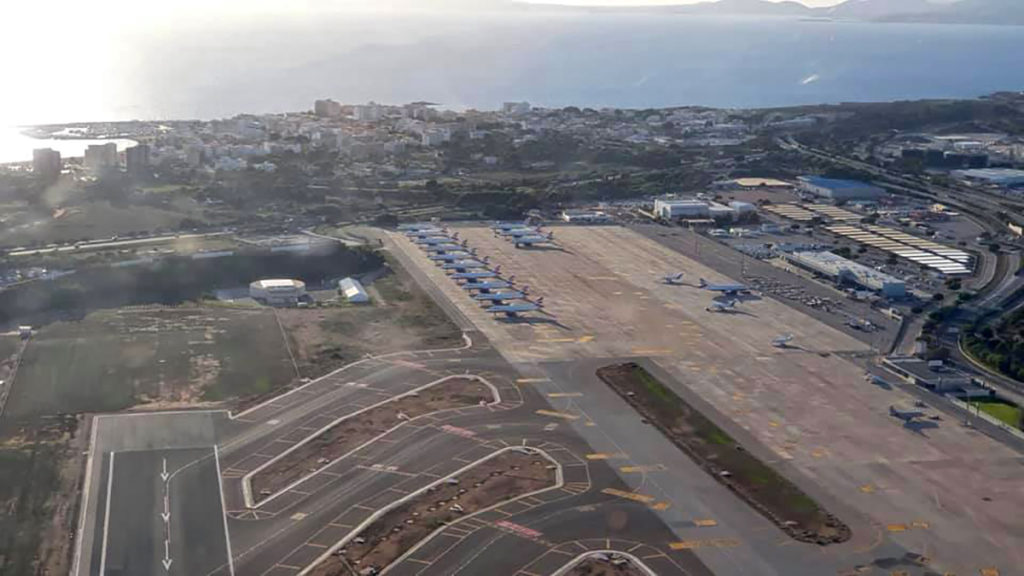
(217, 68)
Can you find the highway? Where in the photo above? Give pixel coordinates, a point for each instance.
(112, 243)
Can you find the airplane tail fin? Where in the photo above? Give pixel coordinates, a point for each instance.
(525, 289)
(540, 302)
(497, 269)
(551, 235)
(511, 279)
(703, 283)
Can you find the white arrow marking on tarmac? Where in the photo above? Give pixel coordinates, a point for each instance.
(167, 510)
(167, 555)
(164, 475)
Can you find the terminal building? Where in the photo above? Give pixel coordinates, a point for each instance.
(840, 190)
(842, 270)
(278, 292)
(1006, 177)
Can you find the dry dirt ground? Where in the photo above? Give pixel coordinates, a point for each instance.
(160, 357)
(946, 489)
(356, 430)
(506, 476)
(401, 317)
(40, 471)
(595, 567)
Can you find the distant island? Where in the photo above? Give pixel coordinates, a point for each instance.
(1004, 12)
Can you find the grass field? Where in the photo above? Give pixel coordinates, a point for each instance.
(113, 360)
(95, 220)
(1005, 412)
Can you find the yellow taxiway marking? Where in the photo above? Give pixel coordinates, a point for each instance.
(867, 489)
(819, 453)
(532, 380)
(605, 456)
(659, 506)
(651, 468)
(565, 395)
(920, 525)
(589, 423)
(705, 523)
(628, 495)
(989, 572)
(557, 340)
(712, 543)
(773, 424)
(554, 414)
(896, 527)
(649, 351)
(585, 339)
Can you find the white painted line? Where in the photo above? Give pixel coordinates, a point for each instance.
(577, 560)
(224, 512)
(106, 516)
(84, 508)
(247, 479)
(559, 482)
(465, 337)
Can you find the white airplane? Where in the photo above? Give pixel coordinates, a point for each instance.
(905, 414)
(782, 341)
(534, 239)
(514, 310)
(507, 225)
(730, 289)
(729, 306)
(517, 232)
(672, 279)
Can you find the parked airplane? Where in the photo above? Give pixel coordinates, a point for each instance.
(535, 239)
(427, 233)
(517, 232)
(514, 310)
(463, 265)
(729, 306)
(731, 289)
(451, 256)
(672, 279)
(487, 286)
(435, 240)
(477, 274)
(782, 341)
(499, 297)
(905, 414)
(507, 225)
(449, 247)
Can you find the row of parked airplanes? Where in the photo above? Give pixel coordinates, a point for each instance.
(477, 277)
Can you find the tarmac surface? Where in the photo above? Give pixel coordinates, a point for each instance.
(925, 488)
(286, 532)
(943, 492)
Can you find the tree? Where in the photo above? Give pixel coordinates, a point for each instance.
(939, 297)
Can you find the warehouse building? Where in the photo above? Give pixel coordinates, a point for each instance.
(690, 209)
(278, 292)
(1007, 177)
(353, 291)
(842, 270)
(840, 190)
(677, 209)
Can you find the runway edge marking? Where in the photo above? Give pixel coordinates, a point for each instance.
(559, 481)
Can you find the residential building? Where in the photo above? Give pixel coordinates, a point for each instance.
(100, 158)
(46, 163)
(137, 160)
(327, 108)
